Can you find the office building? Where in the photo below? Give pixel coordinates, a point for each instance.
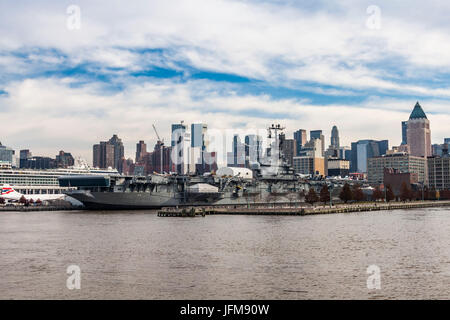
(199, 142)
(335, 143)
(338, 167)
(439, 172)
(404, 132)
(396, 178)
(288, 148)
(64, 160)
(24, 155)
(141, 151)
(119, 151)
(317, 134)
(419, 133)
(309, 165)
(6, 155)
(159, 160)
(181, 154)
(236, 158)
(362, 150)
(199, 135)
(253, 151)
(402, 162)
(345, 153)
(312, 148)
(178, 129)
(37, 162)
(103, 155)
(300, 140)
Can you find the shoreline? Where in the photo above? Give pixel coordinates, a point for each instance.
(34, 209)
(267, 210)
(303, 211)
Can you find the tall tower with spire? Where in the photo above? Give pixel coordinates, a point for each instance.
(419, 133)
(335, 137)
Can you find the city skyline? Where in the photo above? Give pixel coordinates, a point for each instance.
(131, 153)
(329, 68)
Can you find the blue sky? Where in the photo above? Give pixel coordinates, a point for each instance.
(231, 64)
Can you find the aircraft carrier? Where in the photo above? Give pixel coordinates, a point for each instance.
(272, 181)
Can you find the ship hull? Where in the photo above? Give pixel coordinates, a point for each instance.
(121, 201)
(142, 200)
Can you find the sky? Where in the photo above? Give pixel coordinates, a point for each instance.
(73, 73)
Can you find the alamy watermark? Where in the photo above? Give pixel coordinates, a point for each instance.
(74, 279)
(373, 22)
(374, 280)
(74, 17)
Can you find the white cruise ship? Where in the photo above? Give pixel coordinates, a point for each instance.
(35, 182)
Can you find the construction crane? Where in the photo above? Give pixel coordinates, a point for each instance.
(159, 139)
(161, 145)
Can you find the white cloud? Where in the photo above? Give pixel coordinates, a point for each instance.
(270, 41)
(321, 48)
(46, 115)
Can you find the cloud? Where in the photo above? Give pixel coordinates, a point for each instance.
(47, 114)
(231, 64)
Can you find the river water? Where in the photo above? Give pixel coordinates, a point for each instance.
(137, 255)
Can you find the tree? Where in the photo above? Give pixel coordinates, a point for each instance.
(377, 194)
(389, 194)
(324, 194)
(311, 196)
(433, 194)
(22, 200)
(405, 193)
(426, 193)
(38, 202)
(31, 201)
(346, 193)
(358, 194)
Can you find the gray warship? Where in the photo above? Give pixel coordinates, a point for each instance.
(272, 181)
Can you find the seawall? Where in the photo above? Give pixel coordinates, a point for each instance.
(341, 208)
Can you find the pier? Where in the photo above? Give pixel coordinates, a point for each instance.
(36, 208)
(301, 211)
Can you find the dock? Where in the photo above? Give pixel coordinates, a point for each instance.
(299, 211)
(35, 208)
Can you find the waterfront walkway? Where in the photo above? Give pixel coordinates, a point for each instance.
(271, 210)
(34, 208)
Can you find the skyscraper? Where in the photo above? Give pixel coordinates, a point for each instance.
(199, 142)
(253, 150)
(119, 150)
(141, 150)
(24, 156)
(335, 137)
(317, 134)
(419, 133)
(362, 150)
(198, 135)
(103, 155)
(300, 139)
(236, 158)
(288, 148)
(404, 132)
(64, 159)
(178, 129)
(181, 154)
(6, 154)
